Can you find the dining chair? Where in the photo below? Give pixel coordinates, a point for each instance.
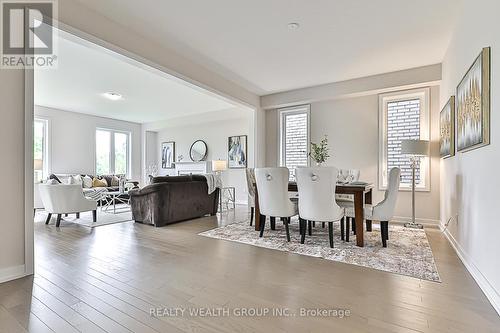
(250, 173)
(272, 184)
(384, 210)
(317, 203)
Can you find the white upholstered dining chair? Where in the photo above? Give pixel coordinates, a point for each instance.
(250, 173)
(384, 210)
(317, 198)
(272, 184)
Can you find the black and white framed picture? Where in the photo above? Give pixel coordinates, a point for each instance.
(167, 155)
(237, 151)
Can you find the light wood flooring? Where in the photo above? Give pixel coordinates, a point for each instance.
(107, 279)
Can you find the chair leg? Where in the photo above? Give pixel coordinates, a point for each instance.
(273, 223)
(353, 223)
(77, 215)
(262, 223)
(323, 225)
(347, 228)
(314, 224)
(330, 233)
(368, 225)
(342, 228)
(48, 218)
(252, 212)
(303, 231)
(287, 222)
(309, 227)
(384, 228)
(58, 221)
(34, 212)
(94, 215)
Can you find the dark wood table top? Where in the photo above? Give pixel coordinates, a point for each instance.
(340, 188)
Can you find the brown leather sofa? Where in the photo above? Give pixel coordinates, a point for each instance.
(173, 199)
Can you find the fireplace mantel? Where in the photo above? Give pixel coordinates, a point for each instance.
(193, 168)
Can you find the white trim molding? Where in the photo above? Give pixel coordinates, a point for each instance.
(489, 291)
(430, 223)
(12, 273)
(423, 95)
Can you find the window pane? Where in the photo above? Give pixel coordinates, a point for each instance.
(295, 140)
(121, 153)
(403, 122)
(102, 152)
(39, 149)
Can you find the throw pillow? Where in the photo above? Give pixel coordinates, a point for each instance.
(54, 177)
(76, 179)
(87, 182)
(99, 182)
(52, 182)
(115, 181)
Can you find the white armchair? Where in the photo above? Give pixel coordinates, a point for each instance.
(64, 199)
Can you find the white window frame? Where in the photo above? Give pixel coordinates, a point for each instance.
(46, 149)
(423, 94)
(112, 149)
(298, 109)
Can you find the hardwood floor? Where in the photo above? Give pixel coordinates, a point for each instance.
(107, 280)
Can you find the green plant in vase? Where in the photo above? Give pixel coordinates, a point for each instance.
(319, 151)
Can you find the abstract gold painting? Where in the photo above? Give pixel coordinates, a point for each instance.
(473, 105)
(447, 129)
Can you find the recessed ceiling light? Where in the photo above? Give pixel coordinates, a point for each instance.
(112, 96)
(293, 26)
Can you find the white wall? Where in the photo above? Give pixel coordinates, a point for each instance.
(469, 181)
(215, 134)
(72, 140)
(352, 128)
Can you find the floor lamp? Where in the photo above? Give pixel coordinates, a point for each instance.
(415, 149)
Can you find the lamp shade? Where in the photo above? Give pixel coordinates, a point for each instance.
(415, 147)
(37, 164)
(219, 165)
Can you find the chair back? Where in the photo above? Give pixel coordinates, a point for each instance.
(384, 211)
(64, 198)
(272, 185)
(317, 194)
(250, 173)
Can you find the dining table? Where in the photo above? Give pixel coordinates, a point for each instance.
(362, 193)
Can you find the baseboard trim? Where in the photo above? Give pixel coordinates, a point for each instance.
(425, 222)
(12, 273)
(491, 294)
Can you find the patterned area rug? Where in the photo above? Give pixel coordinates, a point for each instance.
(407, 252)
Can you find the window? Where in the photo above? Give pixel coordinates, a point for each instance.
(40, 149)
(294, 137)
(112, 152)
(403, 115)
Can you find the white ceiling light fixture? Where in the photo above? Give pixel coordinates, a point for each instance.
(293, 26)
(112, 96)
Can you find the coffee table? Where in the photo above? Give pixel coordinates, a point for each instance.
(112, 198)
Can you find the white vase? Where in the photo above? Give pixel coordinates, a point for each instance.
(319, 164)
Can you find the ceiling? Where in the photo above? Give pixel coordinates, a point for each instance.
(249, 42)
(86, 71)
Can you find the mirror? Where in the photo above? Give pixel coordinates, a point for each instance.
(198, 151)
